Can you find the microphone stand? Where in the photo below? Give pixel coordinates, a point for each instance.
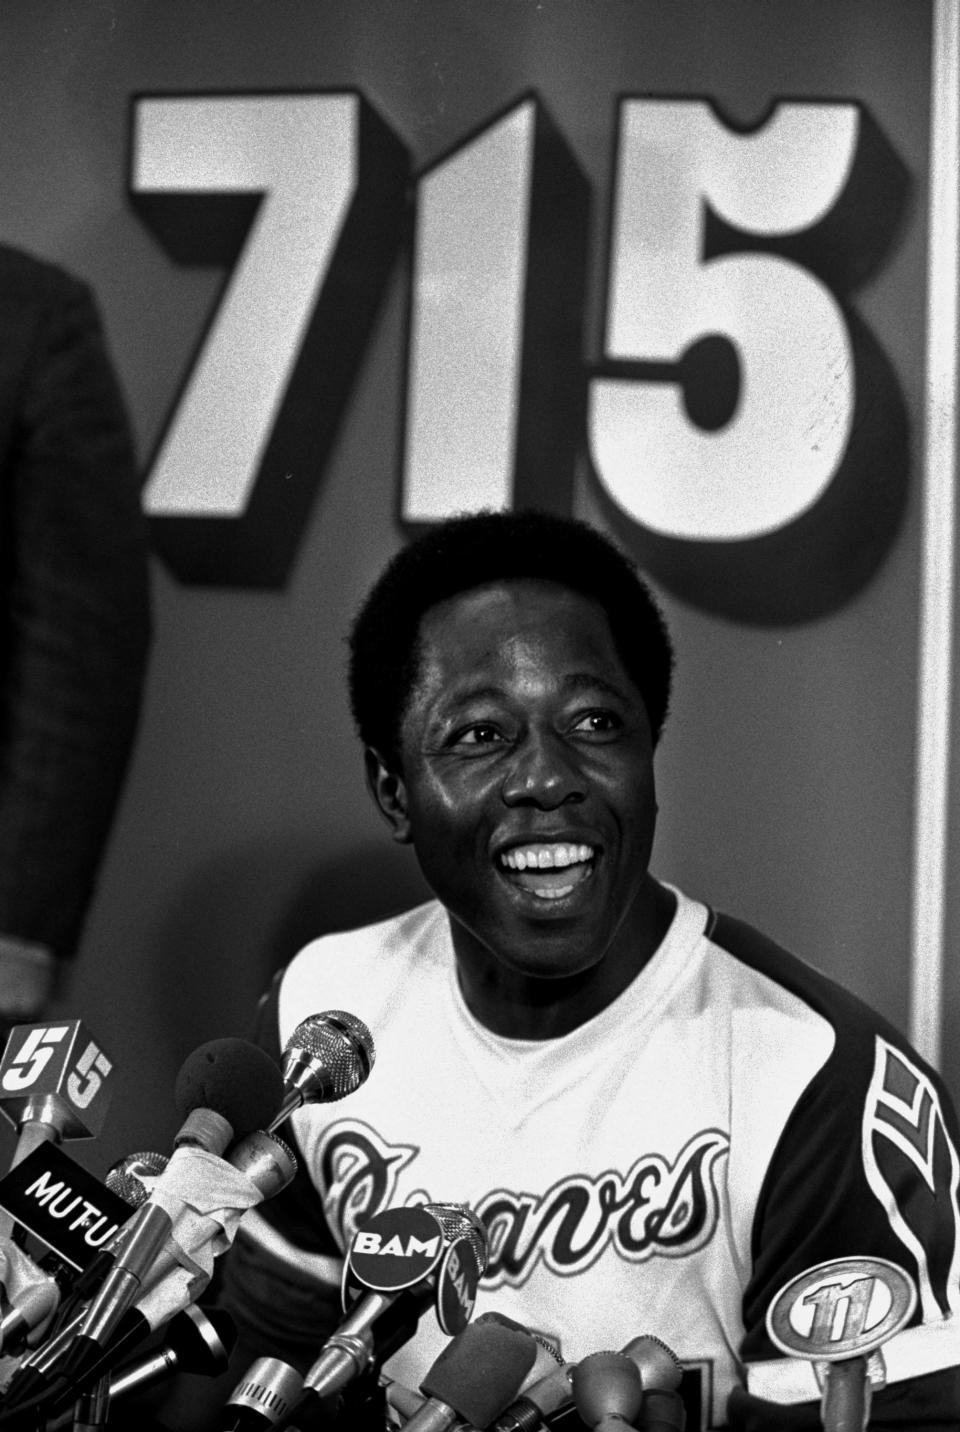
(92, 1409)
(845, 1406)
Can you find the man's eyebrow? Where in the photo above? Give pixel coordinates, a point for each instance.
(590, 681)
(460, 695)
(572, 684)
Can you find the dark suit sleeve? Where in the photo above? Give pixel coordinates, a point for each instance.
(76, 621)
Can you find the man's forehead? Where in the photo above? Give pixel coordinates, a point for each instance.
(500, 597)
(493, 633)
(473, 686)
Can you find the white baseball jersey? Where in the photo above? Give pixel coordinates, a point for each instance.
(730, 1120)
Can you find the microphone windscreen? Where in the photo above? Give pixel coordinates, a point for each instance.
(658, 1364)
(607, 1385)
(236, 1079)
(502, 1319)
(546, 1359)
(479, 1371)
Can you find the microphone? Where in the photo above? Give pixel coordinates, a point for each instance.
(35, 1304)
(262, 1397)
(538, 1402)
(838, 1314)
(256, 1168)
(607, 1391)
(196, 1341)
(327, 1057)
(262, 1165)
(126, 1180)
(60, 1204)
(54, 1085)
(404, 1259)
(226, 1088)
(64, 1207)
(402, 1399)
(265, 1165)
(475, 1375)
(660, 1374)
(128, 1177)
(405, 1402)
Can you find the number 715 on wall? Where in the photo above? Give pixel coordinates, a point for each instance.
(741, 238)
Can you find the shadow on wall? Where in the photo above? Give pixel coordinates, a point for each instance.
(244, 914)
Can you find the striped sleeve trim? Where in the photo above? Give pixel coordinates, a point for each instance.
(931, 1347)
(255, 1229)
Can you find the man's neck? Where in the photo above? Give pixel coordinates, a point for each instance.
(519, 1006)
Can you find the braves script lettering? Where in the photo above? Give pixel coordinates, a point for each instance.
(657, 1208)
(358, 1176)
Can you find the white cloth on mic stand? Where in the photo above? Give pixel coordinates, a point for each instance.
(18, 1272)
(206, 1198)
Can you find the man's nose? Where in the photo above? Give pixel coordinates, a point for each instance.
(543, 773)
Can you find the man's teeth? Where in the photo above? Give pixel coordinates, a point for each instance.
(545, 857)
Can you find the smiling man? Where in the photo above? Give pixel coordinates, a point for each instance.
(523, 777)
(660, 1116)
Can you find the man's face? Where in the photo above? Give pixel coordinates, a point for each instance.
(527, 782)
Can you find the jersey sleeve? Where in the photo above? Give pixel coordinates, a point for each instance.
(866, 1166)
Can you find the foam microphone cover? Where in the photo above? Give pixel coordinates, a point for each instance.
(236, 1079)
(480, 1370)
(607, 1386)
(546, 1359)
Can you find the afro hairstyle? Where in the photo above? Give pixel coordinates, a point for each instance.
(473, 550)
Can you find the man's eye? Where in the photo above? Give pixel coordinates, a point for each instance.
(481, 734)
(598, 723)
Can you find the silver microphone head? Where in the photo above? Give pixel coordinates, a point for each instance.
(269, 1387)
(327, 1057)
(268, 1162)
(607, 1388)
(126, 1177)
(458, 1221)
(656, 1361)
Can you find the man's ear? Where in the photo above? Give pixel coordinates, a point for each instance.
(390, 794)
